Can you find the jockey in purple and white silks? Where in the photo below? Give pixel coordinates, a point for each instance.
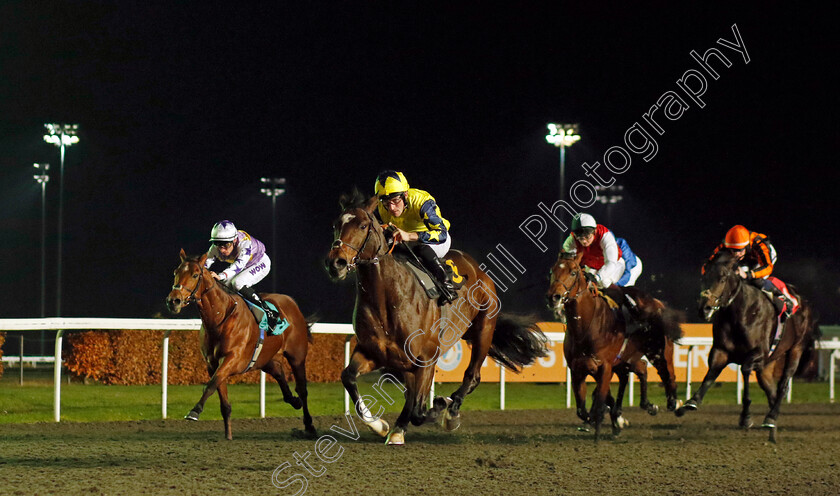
(248, 262)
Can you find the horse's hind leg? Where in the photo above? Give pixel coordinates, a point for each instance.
(275, 370)
(224, 405)
(664, 364)
(618, 422)
(640, 369)
(791, 363)
(298, 365)
(481, 332)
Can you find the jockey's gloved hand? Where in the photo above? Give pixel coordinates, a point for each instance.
(593, 278)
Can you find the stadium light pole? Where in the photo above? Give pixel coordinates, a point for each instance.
(273, 190)
(562, 136)
(609, 196)
(42, 179)
(62, 136)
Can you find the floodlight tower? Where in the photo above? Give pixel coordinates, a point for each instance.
(273, 190)
(562, 136)
(62, 136)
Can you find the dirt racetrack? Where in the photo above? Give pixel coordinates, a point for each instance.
(513, 452)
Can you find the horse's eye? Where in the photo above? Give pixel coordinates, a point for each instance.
(574, 273)
(363, 226)
(195, 276)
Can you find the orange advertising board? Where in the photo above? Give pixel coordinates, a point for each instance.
(552, 368)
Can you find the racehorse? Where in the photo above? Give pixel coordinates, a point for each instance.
(402, 331)
(231, 341)
(597, 344)
(743, 328)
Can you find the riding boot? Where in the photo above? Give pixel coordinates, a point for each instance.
(448, 293)
(270, 314)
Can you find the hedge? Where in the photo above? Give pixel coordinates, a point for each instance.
(135, 357)
(2, 340)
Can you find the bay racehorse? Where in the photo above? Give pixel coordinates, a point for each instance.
(744, 326)
(403, 332)
(597, 344)
(230, 338)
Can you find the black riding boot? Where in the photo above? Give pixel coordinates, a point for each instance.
(271, 315)
(448, 293)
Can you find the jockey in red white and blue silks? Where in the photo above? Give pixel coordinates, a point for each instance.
(610, 261)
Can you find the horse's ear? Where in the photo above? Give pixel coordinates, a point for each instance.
(202, 259)
(579, 256)
(183, 255)
(371, 203)
(565, 255)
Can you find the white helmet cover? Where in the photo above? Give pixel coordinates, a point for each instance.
(224, 230)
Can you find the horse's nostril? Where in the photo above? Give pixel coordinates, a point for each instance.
(339, 263)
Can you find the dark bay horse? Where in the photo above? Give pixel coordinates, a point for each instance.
(743, 328)
(230, 335)
(403, 332)
(596, 342)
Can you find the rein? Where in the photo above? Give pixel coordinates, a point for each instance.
(717, 306)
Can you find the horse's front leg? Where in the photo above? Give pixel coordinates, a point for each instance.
(746, 422)
(717, 361)
(602, 390)
(218, 377)
(619, 422)
(579, 389)
(360, 364)
(224, 405)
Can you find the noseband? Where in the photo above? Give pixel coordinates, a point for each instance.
(717, 306)
(356, 260)
(191, 297)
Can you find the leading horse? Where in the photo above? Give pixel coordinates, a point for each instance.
(743, 329)
(597, 344)
(230, 338)
(402, 331)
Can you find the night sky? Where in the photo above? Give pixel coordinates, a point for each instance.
(183, 108)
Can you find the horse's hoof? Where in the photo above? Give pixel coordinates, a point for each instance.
(311, 433)
(193, 415)
(451, 423)
(380, 427)
(745, 423)
(768, 424)
(653, 410)
(395, 438)
(620, 423)
(673, 405)
(584, 427)
(772, 437)
(295, 402)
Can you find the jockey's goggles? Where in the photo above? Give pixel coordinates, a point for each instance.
(222, 243)
(583, 232)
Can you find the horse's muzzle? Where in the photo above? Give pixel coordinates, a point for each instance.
(175, 304)
(336, 267)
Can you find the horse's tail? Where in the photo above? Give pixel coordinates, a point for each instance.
(667, 322)
(311, 319)
(517, 341)
(808, 361)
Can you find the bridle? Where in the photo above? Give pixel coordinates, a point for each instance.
(564, 298)
(191, 297)
(708, 292)
(356, 260)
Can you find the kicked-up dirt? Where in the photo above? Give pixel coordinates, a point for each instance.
(512, 452)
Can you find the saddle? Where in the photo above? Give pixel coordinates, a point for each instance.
(427, 281)
(262, 320)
